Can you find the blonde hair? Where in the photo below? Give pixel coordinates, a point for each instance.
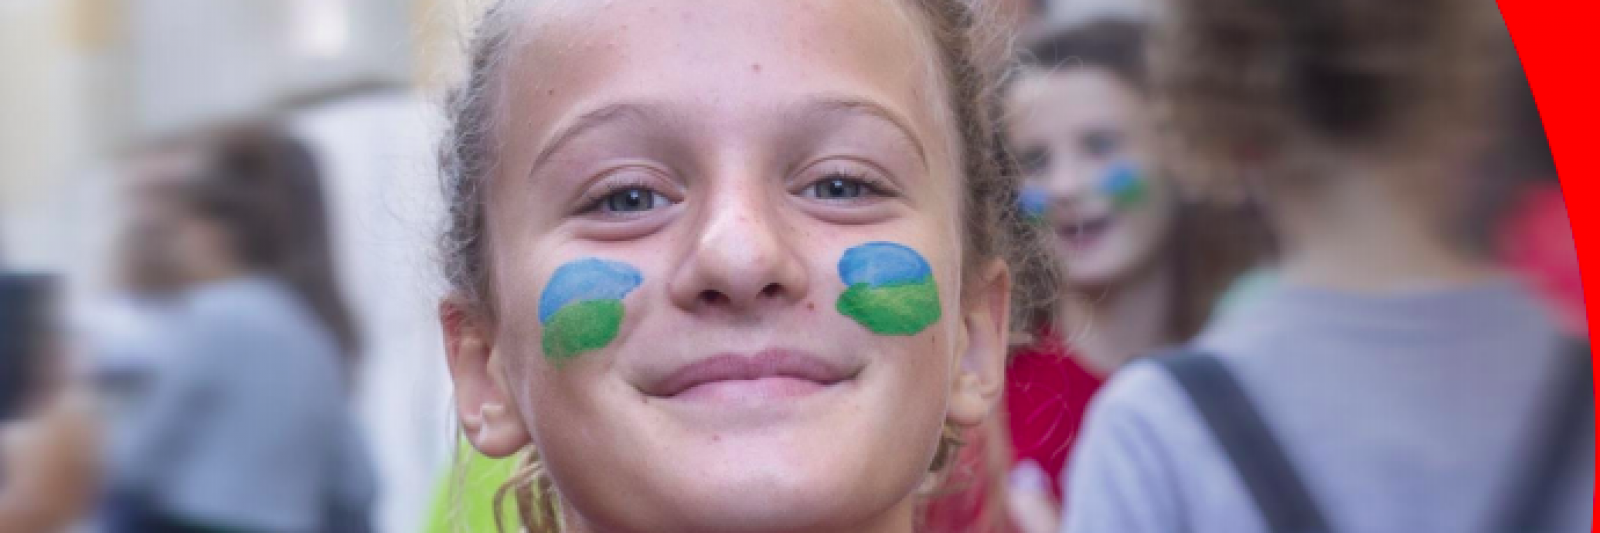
(970, 57)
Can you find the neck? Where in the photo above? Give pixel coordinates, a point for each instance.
(1116, 323)
(1358, 234)
(899, 519)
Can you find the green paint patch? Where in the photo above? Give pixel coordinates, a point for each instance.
(581, 327)
(899, 309)
(1126, 186)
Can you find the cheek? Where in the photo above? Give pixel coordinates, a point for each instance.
(581, 307)
(1127, 187)
(1144, 230)
(890, 289)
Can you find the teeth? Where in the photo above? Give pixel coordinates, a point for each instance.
(1079, 229)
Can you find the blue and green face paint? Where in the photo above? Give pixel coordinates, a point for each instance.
(1121, 182)
(1124, 185)
(581, 307)
(1034, 203)
(891, 289)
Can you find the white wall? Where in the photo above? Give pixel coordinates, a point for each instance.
(385, 204)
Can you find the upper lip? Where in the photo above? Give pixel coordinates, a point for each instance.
(738, 367)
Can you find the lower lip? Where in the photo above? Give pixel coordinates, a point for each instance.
(768, 388)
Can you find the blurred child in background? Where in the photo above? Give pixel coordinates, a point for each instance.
(1145, 262)
(1395, 380)
(49, 472)
(246, 427)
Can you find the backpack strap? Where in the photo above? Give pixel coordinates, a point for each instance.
(1273, 483)
(1568, 422)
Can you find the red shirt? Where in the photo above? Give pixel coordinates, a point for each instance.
(1536, 241)
(1047, 393)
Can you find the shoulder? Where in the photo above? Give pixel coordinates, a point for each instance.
(254, 315)
(1144, 416)
(1145, 462)
(259, 305)
(1142, 390)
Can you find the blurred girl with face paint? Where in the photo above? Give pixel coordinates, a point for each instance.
(1396, 378)
(1145, 262)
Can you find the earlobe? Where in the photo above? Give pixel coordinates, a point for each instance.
(980, 377)
(482, 400)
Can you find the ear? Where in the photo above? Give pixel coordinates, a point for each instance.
(488, 417)
(986, 320)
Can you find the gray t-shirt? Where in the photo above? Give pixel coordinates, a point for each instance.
(1400, 412)
(246, 425)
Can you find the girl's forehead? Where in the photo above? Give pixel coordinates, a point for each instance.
(1067, 99)
(570, 57)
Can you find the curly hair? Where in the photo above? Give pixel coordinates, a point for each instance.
(1273, 86)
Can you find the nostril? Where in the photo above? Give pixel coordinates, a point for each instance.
(771, 290)
(713, 297)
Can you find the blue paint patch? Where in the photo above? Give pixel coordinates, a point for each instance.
(586, 280)
(1033, 201)
(1124, 185)
(883, 263)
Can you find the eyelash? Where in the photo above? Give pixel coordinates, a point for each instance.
(593, 200)
(873, 185)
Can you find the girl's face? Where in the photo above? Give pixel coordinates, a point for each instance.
(727, 285)
(1081, 135)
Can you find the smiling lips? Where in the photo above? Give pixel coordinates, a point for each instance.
(771, 373)
(1083, 233)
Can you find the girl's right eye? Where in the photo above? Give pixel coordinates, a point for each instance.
(625, 195)
(1102, 143)
(1033, 161)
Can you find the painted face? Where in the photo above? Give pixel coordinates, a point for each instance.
(891, 289)
(685, 305)
(581, 308)
(1082, 137)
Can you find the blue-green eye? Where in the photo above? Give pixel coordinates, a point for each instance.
(1102, 143)
(1033, 161)
(633, 200)
(838, 188)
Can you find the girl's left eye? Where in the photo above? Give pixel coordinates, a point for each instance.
(841, 187)
(837, 189)
(632, 200)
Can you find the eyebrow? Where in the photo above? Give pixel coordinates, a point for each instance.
(618, 112)
(649, 112)
(846, 105)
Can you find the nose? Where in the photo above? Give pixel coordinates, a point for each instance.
(742, 256)
(1068, 182)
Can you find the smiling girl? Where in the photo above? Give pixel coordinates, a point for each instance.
(1146, 263)
(728, 266)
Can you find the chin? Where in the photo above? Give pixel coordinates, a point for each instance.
(1089, 275)
(1104, 267)
(772, 508)
(747, 499)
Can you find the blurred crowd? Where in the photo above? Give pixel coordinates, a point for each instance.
(211, 383)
